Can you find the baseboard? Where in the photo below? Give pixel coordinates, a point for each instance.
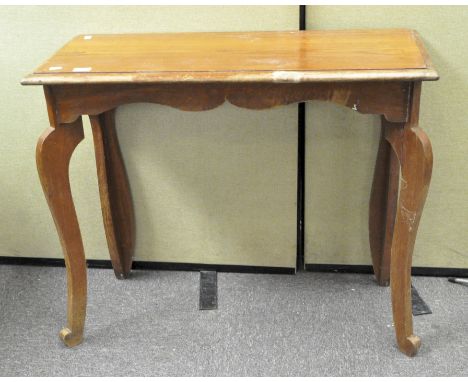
(337, 268)
(416, 271)
(50, 262)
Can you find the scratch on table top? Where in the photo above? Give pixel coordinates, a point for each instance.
(82, 70)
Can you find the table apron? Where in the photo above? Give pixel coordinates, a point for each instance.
(388, 98)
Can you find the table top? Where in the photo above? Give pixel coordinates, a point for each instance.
(287, 56)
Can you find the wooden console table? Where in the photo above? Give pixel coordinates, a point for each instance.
(371, 71)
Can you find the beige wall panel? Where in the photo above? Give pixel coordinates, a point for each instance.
(342, 145)
(212, 187)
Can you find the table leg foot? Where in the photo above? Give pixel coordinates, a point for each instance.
(410, 346)
(69, 338)
(122, 276)
(114, 191)
(54, 150)
(413, 150)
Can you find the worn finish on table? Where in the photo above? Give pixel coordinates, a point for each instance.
(297, 56)
(371, 71)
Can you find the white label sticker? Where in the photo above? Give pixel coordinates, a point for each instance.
(55, 67)
(87, 69)
(88, 37)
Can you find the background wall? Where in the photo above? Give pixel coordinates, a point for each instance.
(220, 186)
(342, 145)
(212, 187)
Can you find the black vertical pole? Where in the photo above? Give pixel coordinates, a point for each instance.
(300, 164)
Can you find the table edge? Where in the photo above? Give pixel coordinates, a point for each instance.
(427, 74)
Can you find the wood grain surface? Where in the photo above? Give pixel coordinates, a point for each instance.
(290, 56)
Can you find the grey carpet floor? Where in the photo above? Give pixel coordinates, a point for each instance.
(310, 324)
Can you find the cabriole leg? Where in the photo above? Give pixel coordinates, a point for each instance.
(54, 150)
(114, 191)
(413, 150)
(383, 205)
